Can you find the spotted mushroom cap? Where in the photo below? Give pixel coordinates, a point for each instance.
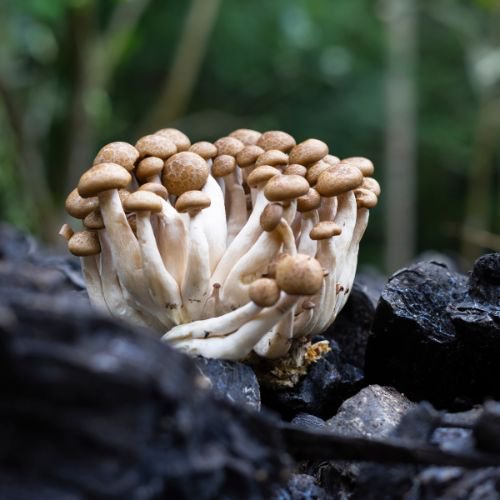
(205, 149)
(223, 165)
(84, 244)
(149, 167)
(103, 177)
(264, 292)
(276, 139)
(299, 274)
(271, 216)
(185, 171)
(143, 201)
(156, 145)
(309, 151)
(122, 153)
(286, 187)
(324, 230)
(246, 136)
(248, 155)
(180, 139)
(79, 207)
(339, 179)
(192, 202)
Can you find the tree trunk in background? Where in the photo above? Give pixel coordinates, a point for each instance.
(188, 59)
(400, 143)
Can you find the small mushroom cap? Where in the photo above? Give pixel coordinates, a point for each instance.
(143, 201)
(185, 171)
(264, 292)
(246, 136)
(299, 274)
(261, 175)
(103, 177)
(364, 164)
(286, 187)
(332, 160)
(314, 171)
(122, 153)
(276, 139)
(309, 151)
(84, 244)
(149, 167)
(372, 185)
(273, 157)
(158, 189)
(228, 146)
(339, 179)
(79, 207)
(295, 169)
(365, 198)
(309, 201)
(156, 145)
(248, 155)
(180, 139)
(324, 230)
(94, 220)
(223, 165)
(205, 149)
(271, 216)
(192, 202)
(66, 231)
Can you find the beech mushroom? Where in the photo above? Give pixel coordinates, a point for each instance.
(247, 244)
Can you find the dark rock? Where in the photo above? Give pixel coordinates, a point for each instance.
(328, 382)
(436, 335)
(236, 382)
(309, 422)
(351, 328)
(301, 487)
(92, 408)
(487, 428)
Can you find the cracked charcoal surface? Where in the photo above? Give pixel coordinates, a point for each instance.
(234, 381)
(436, 334)
(92, 408)
(328, 382)
(301, 487)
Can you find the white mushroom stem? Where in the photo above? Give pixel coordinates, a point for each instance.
(114, 296)
(195, 284)
(348, 270)
(242, 242)
(238, 206)
(250, 266)
(328, 208)
(240, 343)
(287, 237)
(300, 322)
(172, 241)
(214, 222)
(306, 245)
(90, 270)
(162, 285)
(215, 327)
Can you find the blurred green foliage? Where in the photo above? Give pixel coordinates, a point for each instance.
(75, 74)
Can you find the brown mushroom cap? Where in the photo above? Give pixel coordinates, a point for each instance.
(309, 201)
(79, 207)
(339, 179)
(228, 146)
(122, 153)
(372, 185)
(295, 169)
(324, 230)
(365, 198)
(156, 145)
(273, 157)
(123, 194)
(180, 139)
(286, 187)
(205, 149)
(332, 160)
(84, 244)
(299, 275)
(94, 220)
(246, 136)
(264, 292)
(156, 188)
(271, 216)
(248, 155)
(103, 177)
(143, 201)
(149, 167)
(314, 171)
(223, 165)
(183, 172)
(261, 174)
(192, 202)
(309, 151)
(276, 139)
(364, 164)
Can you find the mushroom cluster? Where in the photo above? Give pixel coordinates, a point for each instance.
(240, 245)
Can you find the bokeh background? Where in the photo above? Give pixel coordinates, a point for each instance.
(412, 84)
